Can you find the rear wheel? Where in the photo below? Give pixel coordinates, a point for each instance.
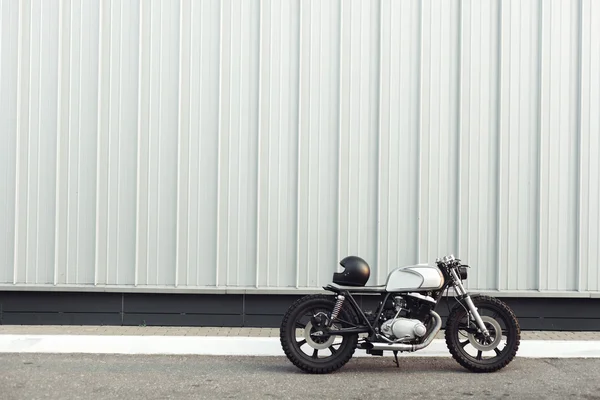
(302, 342)
(470, 348)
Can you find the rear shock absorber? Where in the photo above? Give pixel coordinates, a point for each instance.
(338, 306)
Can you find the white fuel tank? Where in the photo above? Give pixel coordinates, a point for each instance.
(414, 277)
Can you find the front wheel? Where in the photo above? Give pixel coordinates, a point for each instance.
(304, 344)
(470, 348)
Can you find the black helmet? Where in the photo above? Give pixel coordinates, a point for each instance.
(356, 272)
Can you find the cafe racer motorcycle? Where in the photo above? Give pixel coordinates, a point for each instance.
(320, 333)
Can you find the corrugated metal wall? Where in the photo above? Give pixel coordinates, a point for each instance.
(247, 143)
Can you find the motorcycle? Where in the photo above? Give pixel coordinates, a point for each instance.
(320, 333)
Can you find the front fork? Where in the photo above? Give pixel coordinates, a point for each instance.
(461, 289)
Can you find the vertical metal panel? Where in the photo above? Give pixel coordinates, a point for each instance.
(479, 139)
(519, 145)
(439, 136)
(358, 140)
(399, 135)
(103, 190)
(278, 136)
(115, 167)
(559, 145)
(205, 123)
(36, 148)
(9, 72)
(77, 143)
(141, 267)
(45, 191)
(236, 240)
(22, 145)
(317, 138)
(589, 114)
(232, 143)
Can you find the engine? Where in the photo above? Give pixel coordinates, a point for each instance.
(405, 317)
(403, 329)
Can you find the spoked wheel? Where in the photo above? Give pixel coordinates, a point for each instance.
(303, 339)
(470, 348)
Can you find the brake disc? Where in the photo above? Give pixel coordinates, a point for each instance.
(497, 334)
(318, 342)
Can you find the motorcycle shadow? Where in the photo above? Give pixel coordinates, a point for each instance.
(381, 365)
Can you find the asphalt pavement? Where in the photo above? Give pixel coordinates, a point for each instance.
(88, 376)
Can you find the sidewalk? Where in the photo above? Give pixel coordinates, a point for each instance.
(225, 332)
(239, 342)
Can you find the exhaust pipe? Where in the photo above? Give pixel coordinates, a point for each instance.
(411, 347)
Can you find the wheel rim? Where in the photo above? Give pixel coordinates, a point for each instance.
(309, 346)
(473, 344)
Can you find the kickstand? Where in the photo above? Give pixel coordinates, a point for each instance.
(396, 358)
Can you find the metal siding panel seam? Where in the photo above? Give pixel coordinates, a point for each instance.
(258, 159)
(17, 255)
(539, 148)
(218, 230)
(178, 196)
(58, 153)
(138, 155)
(299, 147)
(578, 206)
(379, 115)
(98, 147)
(339, 133)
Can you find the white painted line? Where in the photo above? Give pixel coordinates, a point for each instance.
(246, 346)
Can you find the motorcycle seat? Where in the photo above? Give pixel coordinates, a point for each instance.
(358, 289)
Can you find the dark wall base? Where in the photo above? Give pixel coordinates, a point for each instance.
(266, 311)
